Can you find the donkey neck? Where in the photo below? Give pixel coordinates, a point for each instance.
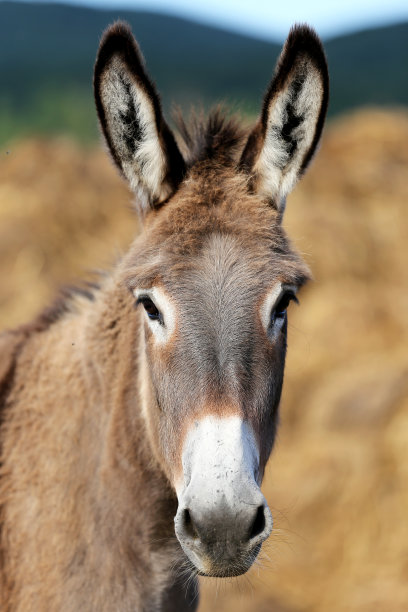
(91, 462)
(133, 493)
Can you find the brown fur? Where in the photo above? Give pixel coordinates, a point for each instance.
(93, 412)
(64, 516)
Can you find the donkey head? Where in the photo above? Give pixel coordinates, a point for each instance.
(214, 274)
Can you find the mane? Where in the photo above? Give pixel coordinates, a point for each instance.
(13, 340)
(63, 303)
(218, 136)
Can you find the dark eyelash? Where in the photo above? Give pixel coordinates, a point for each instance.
(279, 312)
(285, 300)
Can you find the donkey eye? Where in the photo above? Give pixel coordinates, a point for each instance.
(152, 312)
(279, 312)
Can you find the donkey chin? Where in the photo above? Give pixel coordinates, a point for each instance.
(222, 517)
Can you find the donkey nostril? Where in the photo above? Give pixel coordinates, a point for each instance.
(259, 523)
(188, 524)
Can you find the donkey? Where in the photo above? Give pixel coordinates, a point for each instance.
(137, 416)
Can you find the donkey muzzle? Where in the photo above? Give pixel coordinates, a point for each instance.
(222, 518)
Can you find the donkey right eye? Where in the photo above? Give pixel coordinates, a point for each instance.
(152, 312)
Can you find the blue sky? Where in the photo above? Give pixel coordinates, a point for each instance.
(272, 19)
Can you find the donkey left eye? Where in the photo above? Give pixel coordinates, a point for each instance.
(279, 312)
(152, 311)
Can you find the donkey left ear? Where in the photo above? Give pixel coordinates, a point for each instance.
(129, 110)
(283, 142)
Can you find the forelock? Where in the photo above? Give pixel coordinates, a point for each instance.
(217, 137)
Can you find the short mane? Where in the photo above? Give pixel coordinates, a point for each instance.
(63, 303)
(216, 136)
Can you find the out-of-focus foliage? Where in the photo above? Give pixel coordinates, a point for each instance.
(47, 53)
(337, 480)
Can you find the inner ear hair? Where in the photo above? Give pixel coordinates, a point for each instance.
(129, 109)
(285, 138)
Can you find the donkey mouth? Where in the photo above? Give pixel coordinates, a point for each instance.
(219, 557)
(213, 567)
(229, 569)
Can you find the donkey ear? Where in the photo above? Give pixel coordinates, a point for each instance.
(288, 131)
(129, 110)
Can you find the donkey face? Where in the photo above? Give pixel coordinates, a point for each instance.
(214, 274)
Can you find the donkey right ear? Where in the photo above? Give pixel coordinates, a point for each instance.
(129, 110)
(285, 138)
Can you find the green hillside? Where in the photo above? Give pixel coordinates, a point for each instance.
(47, 53)
(369, 68)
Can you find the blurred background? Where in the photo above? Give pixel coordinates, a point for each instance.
(338, 478)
